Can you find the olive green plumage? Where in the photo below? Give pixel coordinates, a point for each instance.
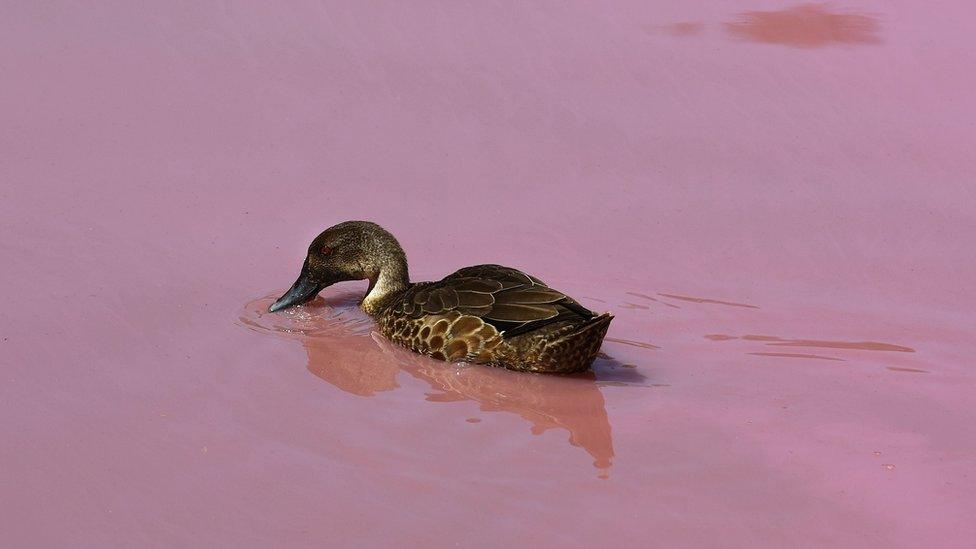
(486, 314)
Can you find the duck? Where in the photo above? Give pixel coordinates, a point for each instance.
(483, 314)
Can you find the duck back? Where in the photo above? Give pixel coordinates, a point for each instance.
(496, 315)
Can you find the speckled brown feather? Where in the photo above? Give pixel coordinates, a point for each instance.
(488, 314)
(496, 315)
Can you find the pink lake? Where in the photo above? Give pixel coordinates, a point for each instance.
(776, 200)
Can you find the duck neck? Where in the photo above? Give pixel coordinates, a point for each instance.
(391, 281)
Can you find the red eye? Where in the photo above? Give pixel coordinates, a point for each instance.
(325, 250)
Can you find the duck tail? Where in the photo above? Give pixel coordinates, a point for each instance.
(575, 350)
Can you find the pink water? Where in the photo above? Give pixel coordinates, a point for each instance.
(776, 200)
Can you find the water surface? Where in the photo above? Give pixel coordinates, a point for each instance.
(775, 201)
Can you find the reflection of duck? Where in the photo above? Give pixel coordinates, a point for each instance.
(361, 364)
(486, 314)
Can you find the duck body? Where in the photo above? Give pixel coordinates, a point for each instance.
(485, 314)
(495, 315)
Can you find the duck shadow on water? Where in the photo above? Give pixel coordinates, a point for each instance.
(345, 351)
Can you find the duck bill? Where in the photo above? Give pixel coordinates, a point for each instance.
(302, 291)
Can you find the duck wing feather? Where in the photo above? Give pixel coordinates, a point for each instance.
(510, 300)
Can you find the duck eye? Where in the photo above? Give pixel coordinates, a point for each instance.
(325, 250)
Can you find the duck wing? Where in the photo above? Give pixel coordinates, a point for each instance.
(510, 300)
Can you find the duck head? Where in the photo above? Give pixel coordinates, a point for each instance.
(353, 250)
